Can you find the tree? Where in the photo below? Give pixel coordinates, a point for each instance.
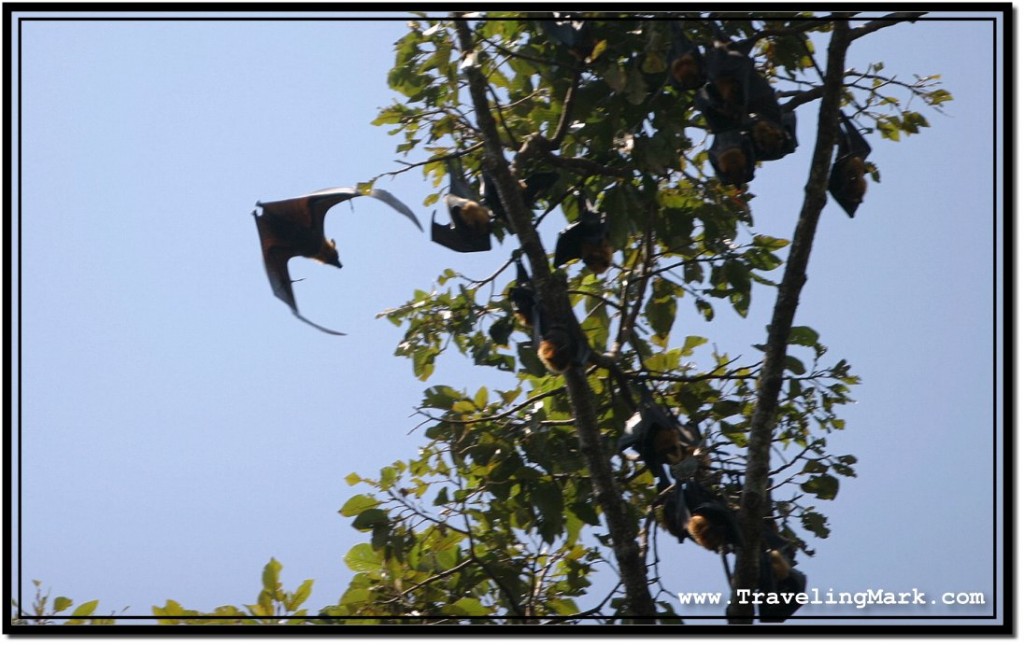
(491, 520)
(487, 520)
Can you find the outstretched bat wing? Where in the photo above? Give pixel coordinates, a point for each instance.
(396, 204)
(321, 201)
(295, 227)
(275, 259)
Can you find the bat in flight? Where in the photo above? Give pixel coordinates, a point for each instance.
(295, 227)
(847, 183)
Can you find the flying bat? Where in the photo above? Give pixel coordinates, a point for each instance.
(587, 239)
(295, 227)
(470, 228)
(847, 183)
(732, 157)
(685, 63)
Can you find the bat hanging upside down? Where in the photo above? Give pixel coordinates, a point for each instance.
(847, 182)
(295, 227)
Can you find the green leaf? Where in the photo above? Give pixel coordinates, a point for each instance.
(815, 523)
(442, 497)
(795, 366)
(691, 343)
(85, 609)
(358, 504)
(803, 335)
(661, 308)
(61, 604)
(370, 518)
(467, 606)
(770, 243)
(363, 558)
(481, 397)
(301, 594)
(825, 486)
(271, 575)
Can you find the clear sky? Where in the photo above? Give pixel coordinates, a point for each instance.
(179, 427)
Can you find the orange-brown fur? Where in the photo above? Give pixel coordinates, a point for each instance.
(732, 166)
(769, 137)
(855, 185)
(686, 72)
(705, 533)
(476, 217)
(669, 447)
(555, 351)
(729, 89)
(780, 565)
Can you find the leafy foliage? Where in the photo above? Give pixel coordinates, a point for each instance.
(500, 488)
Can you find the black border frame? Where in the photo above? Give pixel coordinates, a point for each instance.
(816, 625)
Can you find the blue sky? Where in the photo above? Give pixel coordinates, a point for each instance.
(179, 427)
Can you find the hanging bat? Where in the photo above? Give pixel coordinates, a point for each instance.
(734, 89)
(295, 227)
(532, 187)
(732, 157)
(587, 239)
(569, 33)
(660, 438)
(847, 183)
(559, 349)
(675, 516)
(712, 525)
(779, 576)
(686, 65)
(470, 228)
(524, 299)
(723, 99)
(773, 139)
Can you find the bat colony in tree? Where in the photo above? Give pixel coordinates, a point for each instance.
(741, 110)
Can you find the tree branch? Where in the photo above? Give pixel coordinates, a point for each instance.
(552, 294)
(753, 508)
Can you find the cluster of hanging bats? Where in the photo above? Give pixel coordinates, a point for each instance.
(741, 110)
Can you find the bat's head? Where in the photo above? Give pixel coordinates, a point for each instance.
(328, 254)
